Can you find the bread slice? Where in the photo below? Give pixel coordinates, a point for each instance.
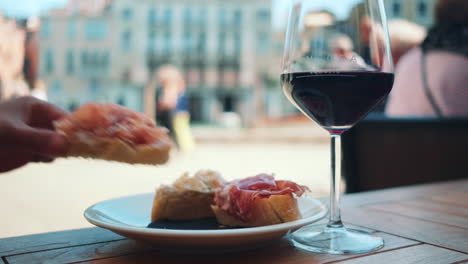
(188, 198)
(275, 209)
(113, 132)
(86, 145)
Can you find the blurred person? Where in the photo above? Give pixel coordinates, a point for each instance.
(404, 35)
(12, 54)
(431, 80)
(365, 31)
(26, 133)
(344, 56)
(31, 58)
(169, 97)
(182, 124)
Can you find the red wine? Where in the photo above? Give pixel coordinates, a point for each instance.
(336, 100)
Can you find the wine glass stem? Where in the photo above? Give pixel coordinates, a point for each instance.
(335, 183)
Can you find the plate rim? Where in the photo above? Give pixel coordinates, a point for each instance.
(207, 233)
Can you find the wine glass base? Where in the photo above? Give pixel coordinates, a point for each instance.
(333, 240)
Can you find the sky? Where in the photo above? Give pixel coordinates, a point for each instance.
(280, 7)
(24, 8)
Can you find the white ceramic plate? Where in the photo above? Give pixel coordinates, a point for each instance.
(129, 216)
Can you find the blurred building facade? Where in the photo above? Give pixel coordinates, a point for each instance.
(12, 54)
(417, 11)
(108, 50)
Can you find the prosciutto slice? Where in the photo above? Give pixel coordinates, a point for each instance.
(112, 121)
(238, 197)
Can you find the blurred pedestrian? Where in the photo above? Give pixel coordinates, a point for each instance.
(344, 57)
(404, 36)
(172, 106)
(432, 79)
(182, 124)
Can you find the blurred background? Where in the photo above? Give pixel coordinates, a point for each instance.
(75, 51)
(229, 54)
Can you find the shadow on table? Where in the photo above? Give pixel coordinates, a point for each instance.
(380, 152)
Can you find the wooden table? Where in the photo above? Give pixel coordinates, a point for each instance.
(420, 224)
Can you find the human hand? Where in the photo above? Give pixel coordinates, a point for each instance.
(27, 133)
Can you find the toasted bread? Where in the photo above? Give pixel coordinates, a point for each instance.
(113, 132)
(188, 198)
(275, 209)
(87, 145)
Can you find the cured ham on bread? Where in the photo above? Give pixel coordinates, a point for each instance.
(113, 132)
(257, 201)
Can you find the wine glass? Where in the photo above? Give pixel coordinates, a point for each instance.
(335, 71)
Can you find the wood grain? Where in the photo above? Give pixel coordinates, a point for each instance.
(439, 207)
(408, 193)
(281, 252)
(428, 212)
(19, 245)
(82, 253)
(457, 198)
(429, 232)
(412, 255)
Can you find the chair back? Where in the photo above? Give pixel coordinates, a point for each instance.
(381, 153)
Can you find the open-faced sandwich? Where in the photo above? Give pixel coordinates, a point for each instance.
(113, 132)
(188, 197)
(255, 201)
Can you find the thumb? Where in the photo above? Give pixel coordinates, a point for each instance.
(41, 141)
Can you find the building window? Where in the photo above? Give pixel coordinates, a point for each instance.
(263, 16)
(49, 61)
(222, 43)
(56, 93)
(167, 18)
(127, 41)
(152, 16)
(202, 43)
(167, 42)
(237, 44)
(84, 60)
(238, 17)
(396, 9)
(57, 89)
(45, 29)
(187, 41)
(262, 42)
(127, 14)
(187, 16)
(121, 100)
(422, 9)
(203, 16)
(94, 89)
(152, 41)
(222, 16)
(106, 61)
(95, 30)
(95, 60)
(70, 63)
(71, 29)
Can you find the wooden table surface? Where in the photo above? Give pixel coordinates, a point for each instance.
(420, 224)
